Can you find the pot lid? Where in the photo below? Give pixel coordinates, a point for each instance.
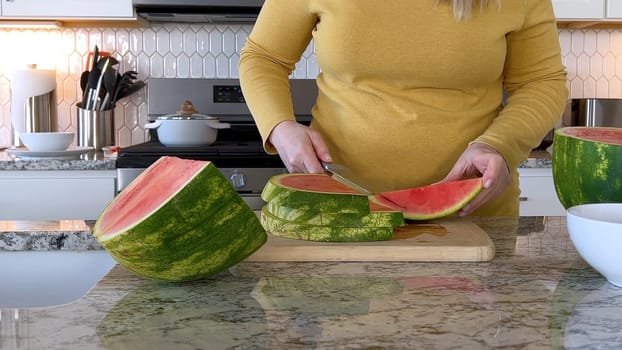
(187, 112)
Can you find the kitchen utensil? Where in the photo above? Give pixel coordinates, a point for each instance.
(95, 103)
(448, 239)
(84, 79)
(110, 84)
(123, 83)
(130, 89)
(187, 128)
(336, 171)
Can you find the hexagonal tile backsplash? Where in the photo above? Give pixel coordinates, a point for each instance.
(593, 58)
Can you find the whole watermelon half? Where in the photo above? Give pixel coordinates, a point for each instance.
(587, 165)
(179, 220)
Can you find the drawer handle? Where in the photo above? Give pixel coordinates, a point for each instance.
(523, 199)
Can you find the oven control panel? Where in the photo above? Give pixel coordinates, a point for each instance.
(228, 94)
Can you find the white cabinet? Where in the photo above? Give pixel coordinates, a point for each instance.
(55, 194)
(67, 9)
(538, 196)
(580, 9)
(614, 9)
(597, 10)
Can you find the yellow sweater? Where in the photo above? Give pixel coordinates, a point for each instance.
(404, 87)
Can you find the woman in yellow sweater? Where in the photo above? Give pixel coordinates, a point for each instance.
(410, 91)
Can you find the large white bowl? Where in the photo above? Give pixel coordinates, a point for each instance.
(596, 232)
(47, 141)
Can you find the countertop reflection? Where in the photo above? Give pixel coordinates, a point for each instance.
(537, 293)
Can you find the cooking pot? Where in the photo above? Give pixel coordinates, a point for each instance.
(187, 128)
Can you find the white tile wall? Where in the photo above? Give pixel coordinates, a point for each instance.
(593, 59)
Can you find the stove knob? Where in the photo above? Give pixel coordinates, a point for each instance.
(238, 180)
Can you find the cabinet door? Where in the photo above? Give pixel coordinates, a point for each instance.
(614, 9)
(538, 196)
(55, 195)
(579, 9)
(70, 9)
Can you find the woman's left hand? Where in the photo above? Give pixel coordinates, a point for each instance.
(481, 160)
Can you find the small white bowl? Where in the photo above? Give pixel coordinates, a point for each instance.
(596, 232)
(47, 141)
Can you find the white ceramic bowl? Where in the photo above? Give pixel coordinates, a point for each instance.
(596, 232)
(47, 141)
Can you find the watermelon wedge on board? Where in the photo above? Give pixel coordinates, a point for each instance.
(318, 192)
(378, 216)
(322, 233)
(179, 220)
(431, 201)
(587, 165)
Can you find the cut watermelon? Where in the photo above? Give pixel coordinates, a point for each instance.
(587, 165)
(379, 216)
(179, 220)
(431, 201)
(318, 192)
(294, 230)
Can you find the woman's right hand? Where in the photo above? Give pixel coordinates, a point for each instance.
(301, 148)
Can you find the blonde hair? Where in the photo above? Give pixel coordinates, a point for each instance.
(463, 9)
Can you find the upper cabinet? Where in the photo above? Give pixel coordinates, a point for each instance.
(580, 9)
(614, 9)
(67, 9)
(588, 10)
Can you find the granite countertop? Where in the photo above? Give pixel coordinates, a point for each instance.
(97, 161)
(87, 161)
(537, 293)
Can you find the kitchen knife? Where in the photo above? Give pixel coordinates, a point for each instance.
(336, 171)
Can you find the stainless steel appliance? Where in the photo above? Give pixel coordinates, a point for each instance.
(598, 112)
(238, 151)
(198, 11)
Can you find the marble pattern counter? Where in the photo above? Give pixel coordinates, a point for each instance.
(97, 161)
(537, 293)
(87, 161)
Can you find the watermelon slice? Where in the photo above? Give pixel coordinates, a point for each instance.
(323, 233)
(587, 165)
(431, 201)
(179, 220)
(318, 192)
(379, 216)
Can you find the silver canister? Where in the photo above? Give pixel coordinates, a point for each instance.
(39, 116)
(95, 128)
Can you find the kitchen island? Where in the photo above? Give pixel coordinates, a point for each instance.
(537, 293)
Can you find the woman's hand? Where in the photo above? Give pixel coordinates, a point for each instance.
(481, 160)
(301, 148)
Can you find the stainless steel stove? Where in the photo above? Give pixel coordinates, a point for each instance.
(238, 152)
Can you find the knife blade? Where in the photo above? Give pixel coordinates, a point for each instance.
(336, 171)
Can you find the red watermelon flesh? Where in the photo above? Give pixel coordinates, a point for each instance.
(431, 201)
(144, 197)
(317, 183)
(604, 135)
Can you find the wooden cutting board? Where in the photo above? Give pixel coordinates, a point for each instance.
(450, 239)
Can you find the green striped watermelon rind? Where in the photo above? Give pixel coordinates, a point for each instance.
(587, 165)
(306, 197)
(287, 229)
(203, 229)
(376, 218)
